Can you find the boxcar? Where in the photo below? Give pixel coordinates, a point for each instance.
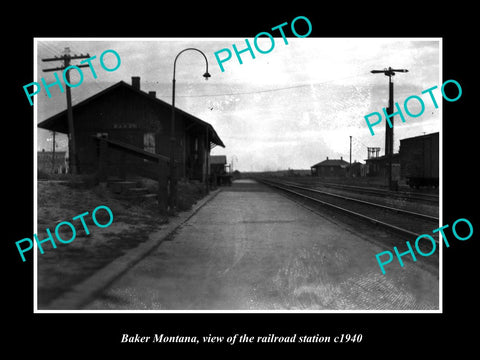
(419, 160)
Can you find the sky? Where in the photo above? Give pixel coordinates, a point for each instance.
(289, 108)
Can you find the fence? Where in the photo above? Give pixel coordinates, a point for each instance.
(105, 144)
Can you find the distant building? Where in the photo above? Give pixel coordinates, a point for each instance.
(217, 164)
(330, 167)
(419, 160)
(416, 162)
(357, 169)
(376, 166)
(47, 164)
(218, 171)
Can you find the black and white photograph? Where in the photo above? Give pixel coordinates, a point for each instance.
(285, 183)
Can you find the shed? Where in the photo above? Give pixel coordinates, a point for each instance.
(217, 164)
(218, 171)
(128, 115)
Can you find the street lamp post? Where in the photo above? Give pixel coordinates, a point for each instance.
(389, 130)
(172, 199)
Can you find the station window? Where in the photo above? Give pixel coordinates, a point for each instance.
(149, 142)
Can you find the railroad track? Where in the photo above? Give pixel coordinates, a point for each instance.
(403, 222)
(429, 198)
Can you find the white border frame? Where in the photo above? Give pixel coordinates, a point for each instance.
(35, 204)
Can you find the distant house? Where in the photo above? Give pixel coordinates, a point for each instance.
(330, 167)
(218, 171)
(127, 115)
(49, 162)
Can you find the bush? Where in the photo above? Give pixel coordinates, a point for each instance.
(188, 193)
(42, 175)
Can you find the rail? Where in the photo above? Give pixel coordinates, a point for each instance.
(384, 207)
(383, 192)
(393, 227)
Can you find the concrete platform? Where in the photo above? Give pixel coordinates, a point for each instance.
(250, 248)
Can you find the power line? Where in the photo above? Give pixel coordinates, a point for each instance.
(358, 141)
(44, 48)
(250, 92)
(269, 90)
(47, 47)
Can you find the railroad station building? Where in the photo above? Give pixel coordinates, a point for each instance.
(139, 121)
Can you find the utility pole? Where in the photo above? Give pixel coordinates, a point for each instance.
(389, 130)
(53, 153)
(350, 156)
(66, 58)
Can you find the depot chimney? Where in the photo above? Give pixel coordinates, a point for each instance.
(136, 82)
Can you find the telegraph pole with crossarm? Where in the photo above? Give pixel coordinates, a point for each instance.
(66, 58)
(389, 130)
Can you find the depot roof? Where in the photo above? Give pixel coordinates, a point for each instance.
(59, 121)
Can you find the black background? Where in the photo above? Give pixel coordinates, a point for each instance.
(60, 335)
